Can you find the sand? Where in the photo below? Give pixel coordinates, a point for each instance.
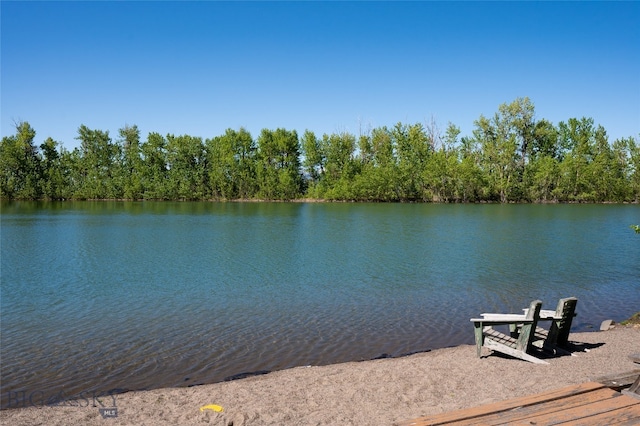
(378, 392)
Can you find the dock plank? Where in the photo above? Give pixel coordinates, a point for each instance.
(596, 413)
(586, 403)
(629, 415)
(474, 412)
(620, 380)
(558, 408)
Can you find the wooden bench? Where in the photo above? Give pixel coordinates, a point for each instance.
(519, 343)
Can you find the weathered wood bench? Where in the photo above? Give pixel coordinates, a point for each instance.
(517, 345)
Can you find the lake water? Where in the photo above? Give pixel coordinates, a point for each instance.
(104, 295)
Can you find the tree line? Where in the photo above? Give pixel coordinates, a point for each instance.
(509, 157)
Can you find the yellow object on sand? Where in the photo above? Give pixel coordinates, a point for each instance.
(211, 407)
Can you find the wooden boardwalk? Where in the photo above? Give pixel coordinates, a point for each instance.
(584, 404)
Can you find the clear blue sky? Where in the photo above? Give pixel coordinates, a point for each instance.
(199, 68)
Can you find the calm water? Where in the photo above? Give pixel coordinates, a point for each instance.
(103, 295)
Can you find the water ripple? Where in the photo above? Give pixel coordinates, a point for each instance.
(98, 297)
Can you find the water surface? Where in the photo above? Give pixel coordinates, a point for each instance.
(103, 295)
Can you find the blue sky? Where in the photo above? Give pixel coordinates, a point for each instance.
(199, 68)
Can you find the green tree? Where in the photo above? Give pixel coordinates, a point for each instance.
(471, 182)
(232, 165)
(187, 164)
(340, 166)
(413, 150)
(443, 171)
(99, 157)
(633, 171)
(542, 173)
(576, 139)
(377, 178)
(442, 176)
(313, 161)
(509, 157)
(604, 172)
(518, 121)
(545, 141)
(499, 156)
(155, 171)
(222, 166)
(542, 178)
(53, 174)
(72, 174)
(131, 170)
(20, 168)
(279, 167)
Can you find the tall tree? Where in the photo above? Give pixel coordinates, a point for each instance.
(52, 172)
(605, 173)
(340, 166)
(518, 120)
(187, 163)
(73, 172)
(232, 165)
(131, 168)
(499, 156)
(577, 142)
(542, 178)
(545, 141)
(20, 169)
(279, 168)
(222, 166)
(633, 174)
(442, 171)
(155, 171)
(313, 163)
(99, 157)
(378, 178)
(470, 182)
(413, 150)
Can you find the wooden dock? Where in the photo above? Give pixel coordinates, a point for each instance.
(589, 403)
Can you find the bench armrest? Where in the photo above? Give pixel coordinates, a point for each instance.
(503, 320)
(506, 317)
(548, 314)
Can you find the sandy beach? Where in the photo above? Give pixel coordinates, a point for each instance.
(377, 392)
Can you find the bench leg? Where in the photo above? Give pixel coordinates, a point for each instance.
(479, 337)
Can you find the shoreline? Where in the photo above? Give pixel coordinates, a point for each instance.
(317, 200)
(376, 392)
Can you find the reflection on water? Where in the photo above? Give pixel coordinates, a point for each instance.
(103, 295)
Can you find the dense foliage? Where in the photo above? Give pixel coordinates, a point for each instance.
(510, 157)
